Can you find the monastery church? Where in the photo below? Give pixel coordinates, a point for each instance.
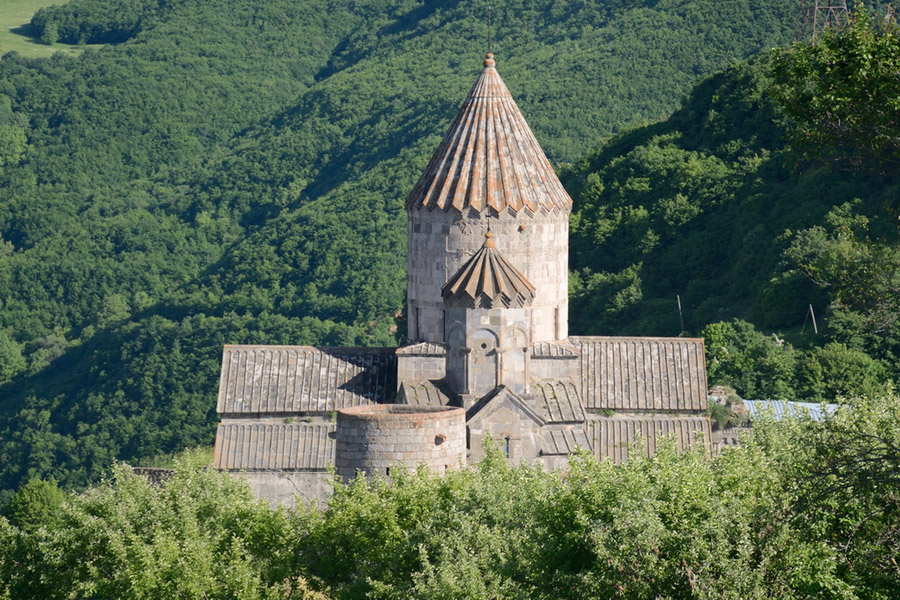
(488, 350)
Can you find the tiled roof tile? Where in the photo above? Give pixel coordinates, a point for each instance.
(290, 379)
(643, 373)
(563, 441)
(268, 447)
(612, 437)
(558, 401)
(489, 158)
(488, 277)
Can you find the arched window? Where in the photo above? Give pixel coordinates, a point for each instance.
(506, 446)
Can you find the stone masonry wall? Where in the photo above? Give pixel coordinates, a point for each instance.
(420, 368)
(289, 488)
(375, 438)
(440, 242)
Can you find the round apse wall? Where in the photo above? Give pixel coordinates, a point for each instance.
(375, 438)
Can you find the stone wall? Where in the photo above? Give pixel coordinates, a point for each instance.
(565, 368)
(487, 347)
(413, 367)
(286, 488)
(509, 424)
(373, 439)
(440, 242)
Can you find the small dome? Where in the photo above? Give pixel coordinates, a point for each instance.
(488, 280)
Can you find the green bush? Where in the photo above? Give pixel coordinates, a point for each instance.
(93, 21)
(11, 359)
(36, 504)
(800, 510)
(755, 364)
(835, 371)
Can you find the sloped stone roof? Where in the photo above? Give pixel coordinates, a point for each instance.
(423, 349)
(489, 158)
(269, 447)
(642, 373)
(612, 437)
(487, 278)
(558, 401)
(555, 442)
(292, 379)
(496, 397)
(422, 393)
(553, 350)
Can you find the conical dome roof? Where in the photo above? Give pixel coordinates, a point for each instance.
(489, 158)
(489, 279)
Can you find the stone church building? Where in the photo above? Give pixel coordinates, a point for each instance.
(488, 351)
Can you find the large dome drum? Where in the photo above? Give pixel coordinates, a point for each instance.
(488, 173)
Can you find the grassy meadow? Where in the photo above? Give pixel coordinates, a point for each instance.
(15, 35)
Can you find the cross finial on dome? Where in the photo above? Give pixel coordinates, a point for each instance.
(490, 22)
(489, 60)
(489, 240)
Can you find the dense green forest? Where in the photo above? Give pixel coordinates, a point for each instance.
(758, 214)
(801, 510)
(234, 172)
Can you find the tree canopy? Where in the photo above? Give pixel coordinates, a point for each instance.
(843, 94)
(799, 510)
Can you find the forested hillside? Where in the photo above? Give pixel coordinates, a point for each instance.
(747, 211)
(234, 172)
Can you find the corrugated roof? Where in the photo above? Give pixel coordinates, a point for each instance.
(284, 379)
(779, 409)
(489, 158)
(489, 278)
(612, 436)
(267, 447)
(563, 441)
(558, 401)
(641, 373)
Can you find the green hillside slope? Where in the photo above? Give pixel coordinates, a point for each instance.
(712, 208)
(234, 172)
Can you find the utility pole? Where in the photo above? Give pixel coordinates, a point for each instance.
(815, 16)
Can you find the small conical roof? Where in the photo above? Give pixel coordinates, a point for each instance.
(488, 275)
(489, 158)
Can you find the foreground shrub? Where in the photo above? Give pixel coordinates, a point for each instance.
(800, 510)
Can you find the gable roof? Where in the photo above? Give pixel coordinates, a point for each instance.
(268, 446)
(488, 276)
(494, 398)
(489, 158)
(642, 373)
(286, 379)
(558, 401)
